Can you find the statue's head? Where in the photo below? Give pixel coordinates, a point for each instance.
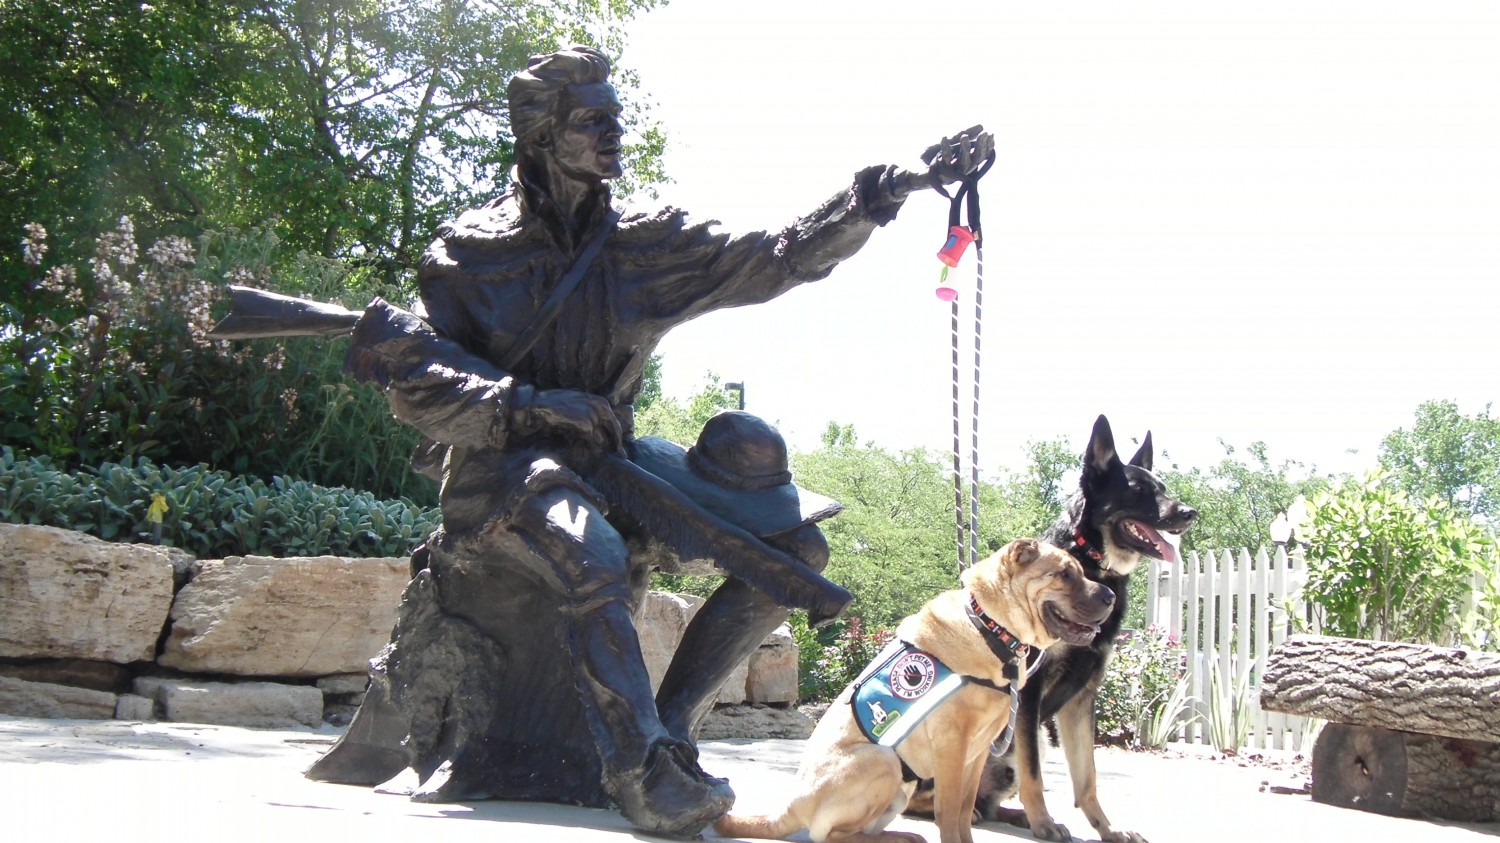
(563, 107)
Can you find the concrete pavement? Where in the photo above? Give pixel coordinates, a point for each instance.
(74, 780)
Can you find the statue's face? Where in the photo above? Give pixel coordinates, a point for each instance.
(588, 145)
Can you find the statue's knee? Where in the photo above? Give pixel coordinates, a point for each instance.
(584, 557)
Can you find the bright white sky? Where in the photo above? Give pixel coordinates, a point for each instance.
(1274, 221)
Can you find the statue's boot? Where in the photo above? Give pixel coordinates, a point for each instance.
(652, 777)
(669, 796)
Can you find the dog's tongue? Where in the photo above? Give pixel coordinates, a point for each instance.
(1167, 549)
(1081, 634)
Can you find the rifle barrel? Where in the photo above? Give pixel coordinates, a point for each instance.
(257, 313)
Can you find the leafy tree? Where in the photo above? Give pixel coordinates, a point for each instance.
(893, 545)
(1237, 500)
(650, 385)
(102, 101)
(355, 125)
(669, 418)
(1027, 502)
(306, 130)
(110, 361)
(1447, 455)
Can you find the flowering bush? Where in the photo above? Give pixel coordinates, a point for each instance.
(113, 361)
(1142, 696)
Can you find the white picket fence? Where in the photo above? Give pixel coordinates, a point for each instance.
(1231, 608)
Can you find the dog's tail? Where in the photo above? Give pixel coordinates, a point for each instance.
(757, 826)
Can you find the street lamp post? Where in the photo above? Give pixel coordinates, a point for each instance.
(1286, 526)
(1281, 530)
(738, 386)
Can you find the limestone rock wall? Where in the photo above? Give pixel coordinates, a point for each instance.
(67, 595)
(258, 616)
(96, 630)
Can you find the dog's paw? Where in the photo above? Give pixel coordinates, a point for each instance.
(1046, 829)
(1121, 837)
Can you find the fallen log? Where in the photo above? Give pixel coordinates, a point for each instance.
(1406, 774)
(1414, 730)
(1386, 685)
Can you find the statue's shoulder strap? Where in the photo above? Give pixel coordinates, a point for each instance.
(560, 293)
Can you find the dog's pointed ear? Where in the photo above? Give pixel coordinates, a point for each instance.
(1143, 456)
(1101, 455)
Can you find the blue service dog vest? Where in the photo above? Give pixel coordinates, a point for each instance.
(898, 689)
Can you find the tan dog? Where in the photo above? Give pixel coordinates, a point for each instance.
(851, 787)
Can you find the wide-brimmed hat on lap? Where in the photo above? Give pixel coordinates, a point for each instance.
(737, 470)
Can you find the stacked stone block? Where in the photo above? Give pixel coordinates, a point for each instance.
(97, 630)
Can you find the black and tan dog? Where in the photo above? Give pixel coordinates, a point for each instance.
(864, 758)
(1111, 525)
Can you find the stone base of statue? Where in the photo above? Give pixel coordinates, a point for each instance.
(478, 709)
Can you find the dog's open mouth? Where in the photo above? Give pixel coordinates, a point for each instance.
(1069, 631)
(1146, 539)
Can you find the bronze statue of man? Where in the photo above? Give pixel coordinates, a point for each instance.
(515, 670)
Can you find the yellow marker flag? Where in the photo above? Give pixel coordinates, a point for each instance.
(158, 508)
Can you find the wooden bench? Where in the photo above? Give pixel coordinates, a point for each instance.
(1413, 730)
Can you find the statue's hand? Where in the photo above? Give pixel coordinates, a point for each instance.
(575, 414)
(958, 156)
(950, 160)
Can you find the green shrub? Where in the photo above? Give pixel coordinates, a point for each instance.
(1384, 567)
(210, 514)
(828, 659)
(1228, 708)
(1167, 718)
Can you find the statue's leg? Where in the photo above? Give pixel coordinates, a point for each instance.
(651, 776)
(725, 631)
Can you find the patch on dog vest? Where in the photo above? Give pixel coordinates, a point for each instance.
(899, 688)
